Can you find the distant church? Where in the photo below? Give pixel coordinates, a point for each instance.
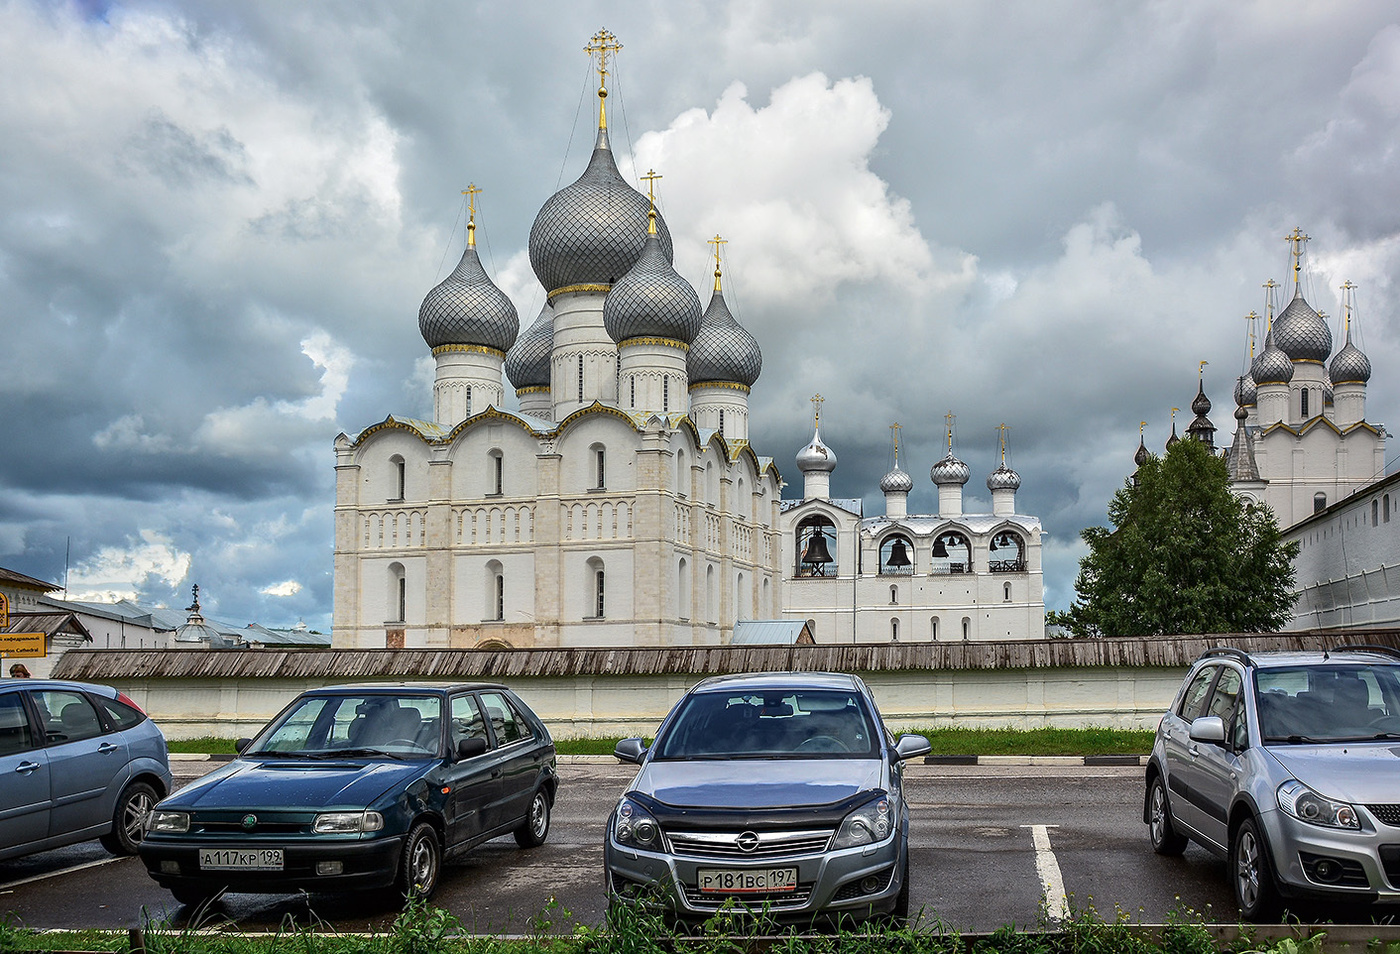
(623, 504)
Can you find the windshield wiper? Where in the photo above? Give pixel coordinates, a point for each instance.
(354, 753)
(1297, 739)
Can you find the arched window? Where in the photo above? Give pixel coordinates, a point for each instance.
(1006, 592)
(894, 596)
(894, 630)
(816, 547)
(1319, 502)
(767, 607)
(398, 593)
(896, 556)
(580, 377)
(933, 629)
(495, 591)
(967, 628)
(682, 474)
(1375, 512)
(498, 473)
(952, 553)
(600, 467)
(633, 384)
(683, 590)
(400, 476)
(721, 422)
(1385, 509)
(666, 394)
(743, 608)
(711, 596)
(469, 400)
(1006, 553)
(740, 507)
(1305, 403)
(596, 588)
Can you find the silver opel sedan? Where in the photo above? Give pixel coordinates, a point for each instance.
(780, 793)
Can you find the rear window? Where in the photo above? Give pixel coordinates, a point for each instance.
(122, 715)
(793, 724)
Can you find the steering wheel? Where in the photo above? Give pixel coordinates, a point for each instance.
(824, 743)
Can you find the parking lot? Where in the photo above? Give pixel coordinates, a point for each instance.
(989, 845)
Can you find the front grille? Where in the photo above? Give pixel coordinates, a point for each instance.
(1351, 875)
(1386, 814)
(223, 824)
(772, 900)
(697, 844)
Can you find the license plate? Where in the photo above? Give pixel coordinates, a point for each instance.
(240, 859)
(746, 880)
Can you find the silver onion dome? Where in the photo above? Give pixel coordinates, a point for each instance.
(593, 231)
(1003, 478)
(816, 456)
(466, 307)
(1272, 365)
(1200, 404)
(896, 482)
(1140, 456)
(652, 300)
(949, 470)
(527, 363)
(1246, 394)
(1302, 333)
(1350, 366)
(723, 350)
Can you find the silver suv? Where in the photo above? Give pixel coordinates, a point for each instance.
(774, 791)
(1285, 764)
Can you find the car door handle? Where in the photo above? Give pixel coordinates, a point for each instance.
(107, 748)
(1194, 750)
(27, 768)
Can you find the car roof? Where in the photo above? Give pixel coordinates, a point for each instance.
(17, 684)
(779, 680)
(1280, 658)
(397, 688)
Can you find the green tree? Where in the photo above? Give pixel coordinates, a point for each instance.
(1185, 556)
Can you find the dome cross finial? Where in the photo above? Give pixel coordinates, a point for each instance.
(471, 192)
(1251, 318)
(817, 402)
(1295, 240)
(1201, 373)
(650, 179)
(717, 242)
(894, 436)
(949, 418)
(1001, 439)
(603, 43)
(1348, 299)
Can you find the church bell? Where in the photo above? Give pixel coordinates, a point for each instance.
(816, 551)
(939, 550)
(899, 554)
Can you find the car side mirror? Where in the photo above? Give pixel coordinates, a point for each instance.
(630, 750)
(911, 746)
(471, 748)
(242, 744)
(1208, 729)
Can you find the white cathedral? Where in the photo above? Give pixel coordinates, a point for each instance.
(622, 505)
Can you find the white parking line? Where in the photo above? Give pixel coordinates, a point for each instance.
(61, 871)
(1053, 883)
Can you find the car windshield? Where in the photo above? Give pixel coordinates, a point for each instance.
(1328, 703)
(787, 724)
(328, 726)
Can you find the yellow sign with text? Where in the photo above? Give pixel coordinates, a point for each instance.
(4, 611)
(22, 645)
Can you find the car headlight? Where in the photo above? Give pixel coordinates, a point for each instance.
(347, 823)
(168, 821)
(1306, 805)
(634, 826)
(870, 823)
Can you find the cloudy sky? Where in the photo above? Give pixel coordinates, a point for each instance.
(217, 222)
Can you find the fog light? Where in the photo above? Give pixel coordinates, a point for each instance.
(330, 867)
(871, 883)
(169, 867)
(1327, 870)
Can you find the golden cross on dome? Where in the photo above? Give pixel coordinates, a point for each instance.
(602, 43)
(1295, 240)
(894, 433)
(1269, 287)
(1251, 318)
(1348, 300)
(950, 417)
(817, 402)
(650, 179)
(717, 242)
(471, 192)
(1001, 434)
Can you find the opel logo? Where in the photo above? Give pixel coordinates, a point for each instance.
(747, 841)
(249, 821)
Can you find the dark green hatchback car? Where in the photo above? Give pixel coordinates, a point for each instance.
(359, 787)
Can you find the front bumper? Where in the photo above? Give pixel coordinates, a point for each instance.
(371, 863)
(829, 885)
(1315, 862)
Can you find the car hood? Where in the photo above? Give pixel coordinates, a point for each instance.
(758, 784)
(1353, 772)
(297, 784)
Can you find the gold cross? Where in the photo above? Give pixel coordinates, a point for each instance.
(1348, 299)
(650, 179)
(471, 192)
(894, 432)
(950, 418)
(603, 43)
(1002, 429)
(1251, 318)
(817, 402)
(1295, 240)
(717, 242)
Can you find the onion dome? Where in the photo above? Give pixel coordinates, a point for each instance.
(896, 482)
(1246, 394)
(1200, 404)
(1272, 365)
(1172, 440)
(1350, 366)
(723, 350)
(1302, 333)
(1241, 414)
(1141, 456)
(527, 362)
(593, 231)
(652, 300)
(949, 470)
(816, 456)
(467, 308)
(1003, 478)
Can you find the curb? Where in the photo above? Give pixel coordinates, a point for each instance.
(1093, 760)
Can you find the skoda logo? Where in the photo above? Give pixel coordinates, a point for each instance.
(249, 821)
(748, 841)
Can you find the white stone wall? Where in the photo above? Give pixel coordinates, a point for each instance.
(1347, 572)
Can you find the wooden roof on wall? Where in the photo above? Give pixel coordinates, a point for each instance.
(349, 665)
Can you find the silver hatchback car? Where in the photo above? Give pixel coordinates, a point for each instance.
(781, 792)
(1285, 763)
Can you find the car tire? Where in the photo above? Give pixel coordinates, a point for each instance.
(129, 818)
(420, 866)
(1252, 875)
(535, 828)
(1160, 830)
